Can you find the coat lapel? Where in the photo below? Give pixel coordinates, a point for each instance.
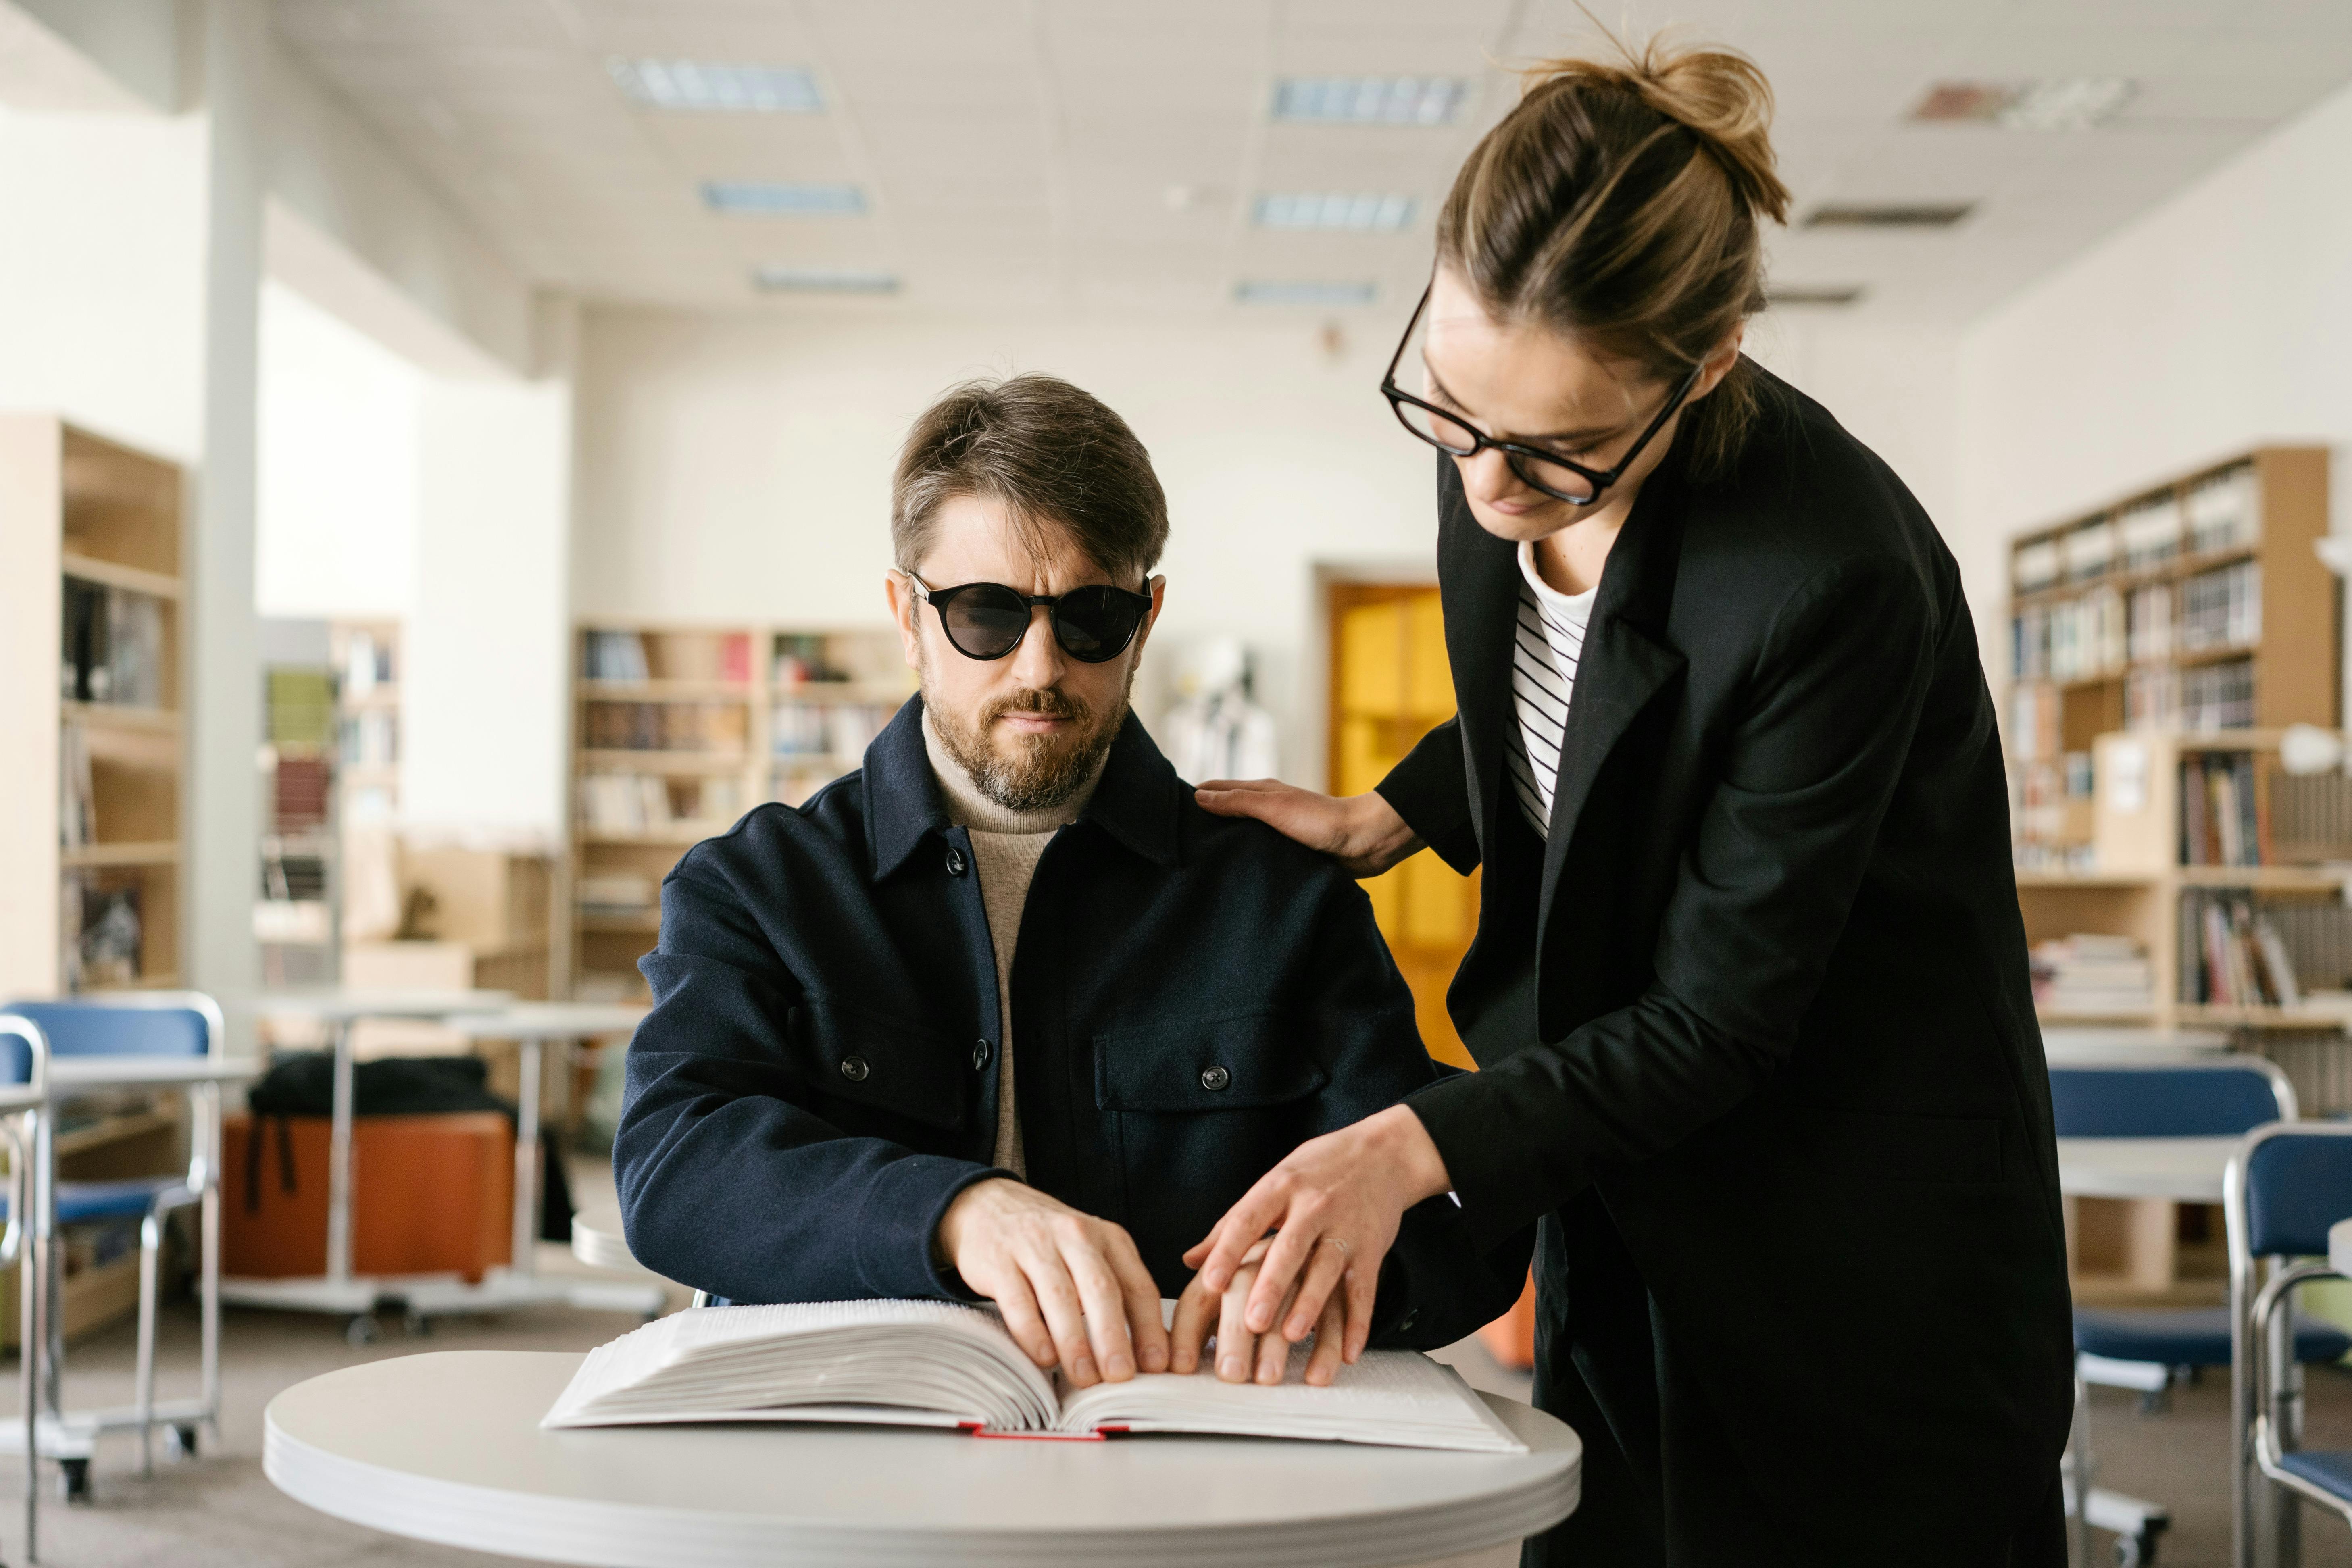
(1626, 662)
(1478, 582)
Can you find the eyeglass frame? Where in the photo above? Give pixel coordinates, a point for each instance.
(940, 598)
(1513, 451)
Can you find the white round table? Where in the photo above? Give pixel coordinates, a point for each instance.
(2187, 1170)
(2339, 1247)
(447, 1448)
(597, 1238)
(2075, 1045)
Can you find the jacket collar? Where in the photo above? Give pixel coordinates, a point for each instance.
(1139, 800)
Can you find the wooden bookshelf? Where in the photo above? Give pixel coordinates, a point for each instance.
(91, 532)
(681, 728)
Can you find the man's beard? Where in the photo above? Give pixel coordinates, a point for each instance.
(1028, 773)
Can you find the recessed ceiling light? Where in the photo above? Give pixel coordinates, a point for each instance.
(1279, 292)
(2054, 104)
(717, 87)
(1370, 100)
(782, 198)
(1334, 209)
(781, 280)
(1889, 215)
(1804, 294)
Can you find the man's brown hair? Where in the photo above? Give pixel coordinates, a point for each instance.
(1058, 459)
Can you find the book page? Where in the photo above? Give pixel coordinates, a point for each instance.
(1396, 1397)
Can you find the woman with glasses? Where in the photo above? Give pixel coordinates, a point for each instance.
(1750, 990)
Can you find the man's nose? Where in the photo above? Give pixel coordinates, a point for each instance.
(1037, 662)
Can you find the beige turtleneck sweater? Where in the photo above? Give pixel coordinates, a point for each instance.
(1006, 846)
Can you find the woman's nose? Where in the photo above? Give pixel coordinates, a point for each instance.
(1486, 476)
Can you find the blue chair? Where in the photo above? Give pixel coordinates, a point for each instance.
(173, 1024)
(24, 1088)
(2285, 1186)
(2145, 1350)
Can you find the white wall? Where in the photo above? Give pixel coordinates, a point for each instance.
(103, 273)
(2220, 320)
(339, 427)
(487, 687)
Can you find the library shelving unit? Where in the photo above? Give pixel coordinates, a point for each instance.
(2160, 650)
(366, 661)
(89, 712)
(92, 835)
(678, 731)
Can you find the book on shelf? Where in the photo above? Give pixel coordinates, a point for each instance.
(2148, 619)
(841, 730)
(2224, 819)
(112, 647)
(2147, 532)
(630, 803)
(615, 655)
(106, 952)
(77, 800)
(665, 727)
(944, 1364)
(370, 739)
(2234, 953)
(2218, 696)
(2093, 974)
(617, 893)
(2036, 566)
(2225, 511)
(367, 663)
(2311, 815)
(2221, 608)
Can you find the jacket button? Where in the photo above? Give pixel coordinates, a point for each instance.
(854, 1069)
(980, 1051)
(1215, 1078)
(955, 861)
(1405, 1323)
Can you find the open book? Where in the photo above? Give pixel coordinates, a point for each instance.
(938, 1363)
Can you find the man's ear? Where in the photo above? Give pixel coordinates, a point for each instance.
(1157, 589)
(904, 607)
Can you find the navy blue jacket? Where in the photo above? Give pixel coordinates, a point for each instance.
(1195, 994)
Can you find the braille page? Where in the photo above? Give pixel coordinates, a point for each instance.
(1399, 1398)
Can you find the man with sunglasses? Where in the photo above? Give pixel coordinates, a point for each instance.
(1006, 1016)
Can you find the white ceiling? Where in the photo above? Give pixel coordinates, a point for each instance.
(1021, 154)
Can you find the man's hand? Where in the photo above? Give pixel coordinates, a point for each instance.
(1362, 832)
(1071, 1287)
(1335, 1204)
(1241, 1355)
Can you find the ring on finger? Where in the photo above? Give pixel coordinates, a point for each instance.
(1345, 1250)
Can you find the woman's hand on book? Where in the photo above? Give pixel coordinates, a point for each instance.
(1072, 1287)
(1244, 1356)
(1362, 832)
(1327, 1217)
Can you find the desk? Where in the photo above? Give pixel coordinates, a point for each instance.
(447, 1448)
(597, 1238)
(337, 1290)
(2076, 1046)
(2339, 1247)
(2186, 1170)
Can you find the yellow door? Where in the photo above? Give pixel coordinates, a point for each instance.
(1390, 687)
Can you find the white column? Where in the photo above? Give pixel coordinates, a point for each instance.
(223, 804)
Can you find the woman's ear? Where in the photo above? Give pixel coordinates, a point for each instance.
(1718, 362)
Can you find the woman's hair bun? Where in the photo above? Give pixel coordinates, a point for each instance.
(1719, 95)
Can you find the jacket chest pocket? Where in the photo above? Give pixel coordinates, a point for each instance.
(1241, 1061)
(864, 1067)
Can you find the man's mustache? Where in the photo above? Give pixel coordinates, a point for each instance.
(1049, 701)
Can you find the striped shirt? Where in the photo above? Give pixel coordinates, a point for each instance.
(1544, 656)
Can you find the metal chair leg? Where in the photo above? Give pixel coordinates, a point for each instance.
(151, 1247)
(2083, 1470)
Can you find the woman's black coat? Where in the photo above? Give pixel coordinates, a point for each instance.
(1760, 1008)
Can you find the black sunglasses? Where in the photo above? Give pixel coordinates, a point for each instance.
(1555, 475)
(988, 620)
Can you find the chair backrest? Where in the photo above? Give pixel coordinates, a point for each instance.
(2174, 1100)
(24, 1050)
(2285, 1185)
(128, 1024)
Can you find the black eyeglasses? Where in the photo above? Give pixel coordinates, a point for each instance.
(988, 620)
(1555, 475)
